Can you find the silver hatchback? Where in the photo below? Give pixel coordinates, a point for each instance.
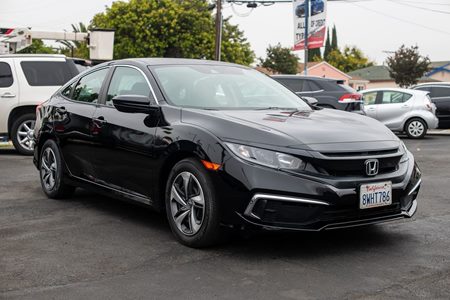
(401, 110)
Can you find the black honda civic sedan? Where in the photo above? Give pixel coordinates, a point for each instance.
(218, 146)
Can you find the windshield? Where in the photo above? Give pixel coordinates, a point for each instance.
(223, 87)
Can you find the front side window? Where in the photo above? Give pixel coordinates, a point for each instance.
(391, 97)
(88, 87)
(127, 81)
(66, 92)
(370, 98)
(47, 73)
(223, 87)
(6, 77)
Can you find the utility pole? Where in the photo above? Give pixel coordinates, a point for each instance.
(306, 35)
(218, 29)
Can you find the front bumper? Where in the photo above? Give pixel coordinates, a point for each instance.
(276, 200)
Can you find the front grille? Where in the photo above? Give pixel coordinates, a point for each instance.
(353, 163)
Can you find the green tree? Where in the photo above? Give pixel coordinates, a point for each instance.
(280, 59)
(327, 50)
(314, 54)
(334, 42)
(76, 48)
(38, 47)
(406, 66)
(348, 60)
(170, 28)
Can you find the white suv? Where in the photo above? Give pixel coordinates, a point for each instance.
(25, 82)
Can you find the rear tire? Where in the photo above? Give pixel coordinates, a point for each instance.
(21, 131)
(416, 128)
(51, 172)
(192, 206)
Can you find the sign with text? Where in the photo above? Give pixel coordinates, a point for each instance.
(317, 25)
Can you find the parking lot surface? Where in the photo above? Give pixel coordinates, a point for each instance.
(91, 246)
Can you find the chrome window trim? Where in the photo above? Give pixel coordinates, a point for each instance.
(143, 74)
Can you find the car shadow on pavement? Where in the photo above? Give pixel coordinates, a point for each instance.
(260, 243)
(8, 151)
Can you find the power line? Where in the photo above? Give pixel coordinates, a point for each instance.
(397, 18)
(420, 7)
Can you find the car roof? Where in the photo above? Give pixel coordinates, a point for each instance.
(32, 55)
(155, 61)
(408, 91)
(432, 83)
(287, 76)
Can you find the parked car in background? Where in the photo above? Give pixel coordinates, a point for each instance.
(330, 93)
(401, 110)
(440, 96)
(27, 80)
(216, 146)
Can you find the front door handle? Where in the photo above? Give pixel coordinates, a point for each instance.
(8, 95)
(100, 120)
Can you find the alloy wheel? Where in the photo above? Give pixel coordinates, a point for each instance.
(416, 128)
(25, 134)
(187, 203)
(48, 169)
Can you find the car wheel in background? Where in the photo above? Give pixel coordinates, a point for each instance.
(416, 128)
(52, 173)
(191, 205)
(22, 133)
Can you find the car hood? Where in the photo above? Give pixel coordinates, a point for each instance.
(319, 130)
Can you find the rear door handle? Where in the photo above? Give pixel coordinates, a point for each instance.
(8, 95)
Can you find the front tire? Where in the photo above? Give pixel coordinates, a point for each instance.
(191, 205)
(416, 128)
(21, 133)
(52, 173)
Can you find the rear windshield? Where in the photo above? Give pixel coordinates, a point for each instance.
(48, 73)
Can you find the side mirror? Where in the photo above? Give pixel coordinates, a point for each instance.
(133, 104)
(311, 101)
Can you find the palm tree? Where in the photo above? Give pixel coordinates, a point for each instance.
(77, 48)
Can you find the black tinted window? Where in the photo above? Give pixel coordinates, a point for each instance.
(47, 73)
(6, 78)
(440, 91)
(294, 85)
(311, 86)
(424, 88)
(66, 92)
(88, 87)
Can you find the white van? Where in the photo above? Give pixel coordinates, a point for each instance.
(26, 80)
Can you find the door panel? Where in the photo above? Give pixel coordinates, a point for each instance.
(440, 96)
(124, 141)
(9, 92)
(73, 122)
(392, 111)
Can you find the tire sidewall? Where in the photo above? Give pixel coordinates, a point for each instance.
(208, 232)
(53, 193)
(14, 129)
(424, 126)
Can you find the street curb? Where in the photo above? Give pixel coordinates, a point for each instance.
(439, 132)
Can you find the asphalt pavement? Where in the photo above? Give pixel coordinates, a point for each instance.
(93, 247)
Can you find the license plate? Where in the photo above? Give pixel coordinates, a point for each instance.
(375, 194)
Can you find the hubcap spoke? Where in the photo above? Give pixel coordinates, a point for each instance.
(187, 203)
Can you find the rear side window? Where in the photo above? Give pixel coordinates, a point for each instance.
(310, 86)
(294, 85)
(6, 78)
(440, 91)
(47, 73)
(394, 97)
(424, 88)
(88, 87)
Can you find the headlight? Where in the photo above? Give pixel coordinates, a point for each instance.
(404, 157)
(267, 158)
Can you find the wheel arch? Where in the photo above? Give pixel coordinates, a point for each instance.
(16, 112)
